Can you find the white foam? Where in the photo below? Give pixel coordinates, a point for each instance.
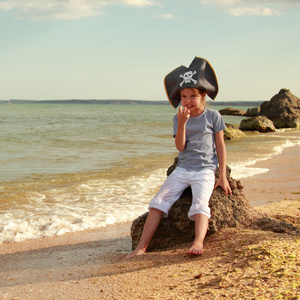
(241, 171)
(89, 205)
(244, 169)
(288, 143)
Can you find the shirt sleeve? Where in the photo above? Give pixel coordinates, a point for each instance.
(219, 123)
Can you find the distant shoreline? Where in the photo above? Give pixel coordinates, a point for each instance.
(124, 102)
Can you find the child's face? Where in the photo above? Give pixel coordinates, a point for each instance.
(192, 100)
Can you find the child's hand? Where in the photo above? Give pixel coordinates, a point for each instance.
(183, 114)
(224, 184)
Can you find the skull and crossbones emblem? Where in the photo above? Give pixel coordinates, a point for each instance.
(187, 77)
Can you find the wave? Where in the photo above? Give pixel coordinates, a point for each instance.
(245, 169)
(90, 204)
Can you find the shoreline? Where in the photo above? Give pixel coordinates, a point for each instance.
(281, 182)
(89, 264)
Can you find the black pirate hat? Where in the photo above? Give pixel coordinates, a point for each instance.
(199, 74)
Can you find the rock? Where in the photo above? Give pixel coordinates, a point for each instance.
(283, 109)
(232, 132)
(226, 211)
(232, 112)
(268, 224)
(260, 124)
(231, 210)
(253, 112)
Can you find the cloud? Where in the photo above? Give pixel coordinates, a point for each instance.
(75, 9)
(166, 16)
(134, 2)
(254, 7)
(253, 11)
(38, 10)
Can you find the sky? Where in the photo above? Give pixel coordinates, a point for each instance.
(123, 49)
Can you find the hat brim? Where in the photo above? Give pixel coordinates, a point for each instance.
(199, 75)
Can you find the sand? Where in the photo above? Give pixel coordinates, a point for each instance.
(237, 263)
(281, 182)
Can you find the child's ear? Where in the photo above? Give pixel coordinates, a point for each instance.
(203, 94)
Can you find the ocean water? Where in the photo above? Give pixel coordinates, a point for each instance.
(70, 167)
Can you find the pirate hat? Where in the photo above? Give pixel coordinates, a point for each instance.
(198, 75)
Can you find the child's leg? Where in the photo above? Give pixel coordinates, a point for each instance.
(150, 227)
(201, 225)
(202, 185)
(159, 207)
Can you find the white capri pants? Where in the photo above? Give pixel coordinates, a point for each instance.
(202, 185)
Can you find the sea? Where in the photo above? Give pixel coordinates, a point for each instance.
(67, 167)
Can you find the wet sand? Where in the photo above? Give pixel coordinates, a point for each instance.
(281, 182)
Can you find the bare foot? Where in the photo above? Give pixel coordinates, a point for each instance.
(134, 253)
(196, 249)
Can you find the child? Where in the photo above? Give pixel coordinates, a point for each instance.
(198, 133)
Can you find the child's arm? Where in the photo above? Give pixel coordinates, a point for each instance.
(221, 153)
(182, 116)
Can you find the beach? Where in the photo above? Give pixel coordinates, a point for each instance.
(281, 182)
(237, 263)
(72, 167)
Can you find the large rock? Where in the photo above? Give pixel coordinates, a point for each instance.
(232, 111)
(283, 109)
(226, 211)
(260, 124)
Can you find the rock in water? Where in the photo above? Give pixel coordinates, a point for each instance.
(283, 109)
(232, 111)
(231, 132)
(260, 124)
(253, 112)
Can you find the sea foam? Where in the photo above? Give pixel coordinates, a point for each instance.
(247, 168)
(93, 204)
